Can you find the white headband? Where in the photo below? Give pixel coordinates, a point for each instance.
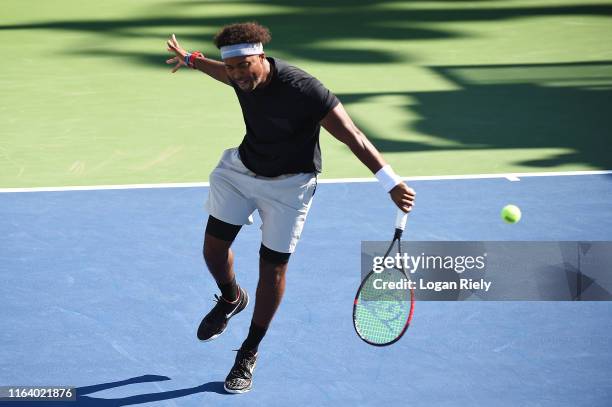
(238, 50)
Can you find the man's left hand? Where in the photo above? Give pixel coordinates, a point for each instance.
(179, 59)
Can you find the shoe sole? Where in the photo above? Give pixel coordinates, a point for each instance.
(232, 391)
(219, 334)
(213, 337)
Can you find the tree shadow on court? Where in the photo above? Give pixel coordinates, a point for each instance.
(325, 3)
(484, 113)
(82, 398)
(513, 107)
(308, 30)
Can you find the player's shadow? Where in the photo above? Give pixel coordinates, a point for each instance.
(83, 398)
(563, 109)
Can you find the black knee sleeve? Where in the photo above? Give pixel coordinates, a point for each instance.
(272, 256)
(222, 230)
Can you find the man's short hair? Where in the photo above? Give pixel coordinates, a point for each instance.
(250, 32)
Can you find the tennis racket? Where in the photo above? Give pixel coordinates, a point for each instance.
(381, 316)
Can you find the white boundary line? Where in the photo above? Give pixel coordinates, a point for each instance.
(515, 176)
(509, 176)
(105, 187)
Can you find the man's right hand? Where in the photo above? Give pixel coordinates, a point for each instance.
(179, 59)
(403, 196)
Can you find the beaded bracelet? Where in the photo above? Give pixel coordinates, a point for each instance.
(191, 57)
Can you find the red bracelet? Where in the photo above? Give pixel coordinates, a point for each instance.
(192, 58)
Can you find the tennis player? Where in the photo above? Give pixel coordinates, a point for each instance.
(273, 171)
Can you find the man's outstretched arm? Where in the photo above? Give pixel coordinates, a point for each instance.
(339, 124)
(214, 69)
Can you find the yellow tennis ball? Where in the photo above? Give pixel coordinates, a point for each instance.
(511, 214)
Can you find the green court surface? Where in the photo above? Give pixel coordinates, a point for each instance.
(441, 87)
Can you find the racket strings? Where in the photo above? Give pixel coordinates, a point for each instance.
(381, 313)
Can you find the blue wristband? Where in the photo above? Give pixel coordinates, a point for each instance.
(187, 57)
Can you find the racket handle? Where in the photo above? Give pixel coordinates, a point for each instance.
(401, 219)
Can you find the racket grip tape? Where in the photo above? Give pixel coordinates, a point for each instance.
(401, 219)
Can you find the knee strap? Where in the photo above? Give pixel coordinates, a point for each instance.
(222, 230)
(272, 256)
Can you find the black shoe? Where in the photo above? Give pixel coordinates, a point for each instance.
(240, 378)
(215, 322)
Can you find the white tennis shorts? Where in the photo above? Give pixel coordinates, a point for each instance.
(282, 202)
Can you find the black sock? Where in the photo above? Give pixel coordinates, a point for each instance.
(256, 334)
(229, 291)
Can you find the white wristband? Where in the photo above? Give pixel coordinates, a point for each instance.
(388, 178)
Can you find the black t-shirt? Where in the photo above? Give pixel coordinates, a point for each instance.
(282, 122)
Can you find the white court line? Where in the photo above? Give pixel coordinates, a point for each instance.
(106, 187)
(516, 176)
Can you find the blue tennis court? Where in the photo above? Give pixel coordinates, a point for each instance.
(104, 289)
